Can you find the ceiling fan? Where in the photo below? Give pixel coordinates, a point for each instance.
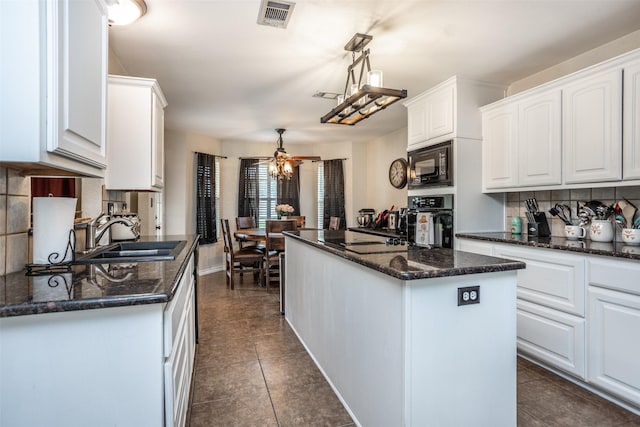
(282, 164)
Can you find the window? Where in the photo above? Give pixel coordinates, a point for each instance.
(259, 192)
(268, 195)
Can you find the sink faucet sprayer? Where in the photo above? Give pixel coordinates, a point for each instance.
(97, 228)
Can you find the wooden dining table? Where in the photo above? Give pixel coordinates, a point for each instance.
(253, 234)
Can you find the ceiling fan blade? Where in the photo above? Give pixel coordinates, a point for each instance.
(305, 157)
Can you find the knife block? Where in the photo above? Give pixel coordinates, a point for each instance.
(543, 225)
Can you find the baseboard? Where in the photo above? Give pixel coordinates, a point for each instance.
(214, 269)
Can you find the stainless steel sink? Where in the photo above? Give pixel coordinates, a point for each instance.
(134, 252)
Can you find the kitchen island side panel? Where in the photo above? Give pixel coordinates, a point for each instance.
(460, 361)
(402, 352)
(349, 318)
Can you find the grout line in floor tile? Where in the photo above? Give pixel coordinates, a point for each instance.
(264, 378)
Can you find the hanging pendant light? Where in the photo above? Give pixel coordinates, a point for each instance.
(360, 101)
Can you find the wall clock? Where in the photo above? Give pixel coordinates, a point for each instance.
(398, 173)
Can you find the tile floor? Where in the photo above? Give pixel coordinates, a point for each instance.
(251, 370)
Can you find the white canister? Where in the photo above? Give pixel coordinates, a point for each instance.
(574, 232)
(631, 236)
(53, 241)
(601, 230)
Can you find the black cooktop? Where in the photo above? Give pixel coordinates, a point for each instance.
(362, 244)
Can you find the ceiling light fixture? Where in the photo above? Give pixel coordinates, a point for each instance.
(360, 101)
(280, 167)
(125, 12)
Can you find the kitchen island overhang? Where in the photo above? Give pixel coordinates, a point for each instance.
(387, 332)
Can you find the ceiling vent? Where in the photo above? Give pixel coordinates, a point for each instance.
(275, 13)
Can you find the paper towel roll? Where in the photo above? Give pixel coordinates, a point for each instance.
(52, 222)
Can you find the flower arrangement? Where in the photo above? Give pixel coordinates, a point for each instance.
(284, 210)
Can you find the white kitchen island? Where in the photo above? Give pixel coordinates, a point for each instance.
(388, 334)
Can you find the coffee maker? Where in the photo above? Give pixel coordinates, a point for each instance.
(430, 221)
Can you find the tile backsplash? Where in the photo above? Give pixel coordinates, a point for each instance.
(547, 199)
(14, 220)
(15, 191)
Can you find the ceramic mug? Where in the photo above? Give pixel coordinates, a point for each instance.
(601, 230)
(631, 236)
(574, 232)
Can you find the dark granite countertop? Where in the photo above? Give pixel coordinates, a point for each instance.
(585, 246)
(96, 285)
(408, 263)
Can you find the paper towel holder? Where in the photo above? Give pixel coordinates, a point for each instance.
(54, 265)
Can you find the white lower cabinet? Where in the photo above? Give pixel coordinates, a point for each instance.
(549, 280)
(579, 314)
(116, 366)
(552, 336)
(614, 322)
(179, 330)
(551, 300)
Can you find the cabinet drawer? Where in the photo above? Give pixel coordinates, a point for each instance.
(614, 322)
(554, 337)
(555, 281)
(175, 310)
(177, 372)
(613, 274)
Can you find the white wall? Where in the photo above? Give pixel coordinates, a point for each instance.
(179, 191)
(610, 50)
(380, 153)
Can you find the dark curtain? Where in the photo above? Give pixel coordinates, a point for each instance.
(289, 191)
(248, 188)
(206, 198)
(333, 193)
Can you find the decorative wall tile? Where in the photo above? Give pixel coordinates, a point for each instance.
(18, 185)
(561, 195)
(18, 214)
(3, 180)
(605, 193)
(3, 245)
(3, 214)
(581, 194)
(17, 248)
(628, 192)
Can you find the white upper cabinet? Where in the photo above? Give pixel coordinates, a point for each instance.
(540, 140)
(522, 142)
(500, 147)
(631, 122)
(592, 128)
(440, 113)
(578, 130)
(135, 119)
(53, 84)
(448, 110)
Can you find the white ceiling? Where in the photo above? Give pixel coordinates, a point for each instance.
(228, 77)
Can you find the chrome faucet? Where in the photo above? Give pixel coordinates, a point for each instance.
(97, 228)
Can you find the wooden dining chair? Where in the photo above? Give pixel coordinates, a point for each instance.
(244, 259)
(334, 223)
(301, 220)
(247, 222)
(275, 245)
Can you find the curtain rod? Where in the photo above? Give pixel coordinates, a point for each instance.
(214, 155)
(255, 158)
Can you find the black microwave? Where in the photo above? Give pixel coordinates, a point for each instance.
(431, 166)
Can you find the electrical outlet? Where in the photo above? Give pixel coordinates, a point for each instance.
(469, 295)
